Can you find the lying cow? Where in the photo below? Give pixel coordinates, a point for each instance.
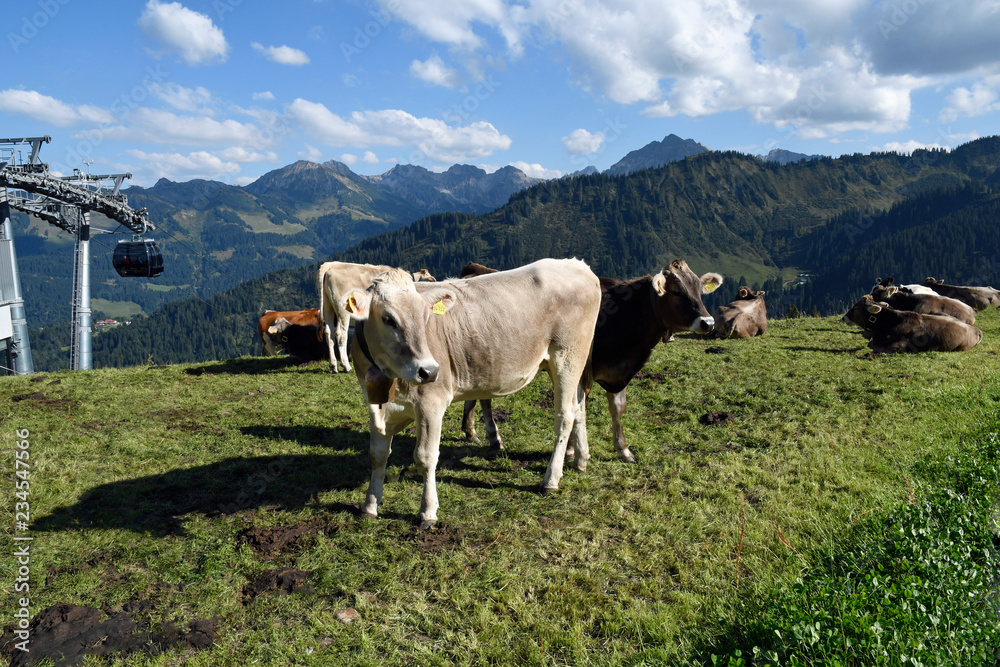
(911, 288)
(925, 304)
(979, 298)
(268, 346)
(893, 331)
(303, 342)
(635, 316)
(467, 340)
(744, 318)
(333, 281)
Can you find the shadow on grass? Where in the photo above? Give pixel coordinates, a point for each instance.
(253, 366)
(155, 504)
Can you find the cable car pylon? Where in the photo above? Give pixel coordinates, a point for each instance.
(66, 202)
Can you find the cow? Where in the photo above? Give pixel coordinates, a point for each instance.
(635, 317)
(911, 288)
(892, 331)
(308, 317)
(979, 298)
(744, 318)
(334, 280)
(303, 342)
(417, 348)
(925, 304)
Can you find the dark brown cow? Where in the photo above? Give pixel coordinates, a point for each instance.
(744, 318)
(635, 316)
(308, 317)
(925, 304)
(979, 298)
(893, 331)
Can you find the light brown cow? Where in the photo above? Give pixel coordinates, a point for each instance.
(269, 347)
(467, 340)
(336, 279)
(744, 318)
(893, 331)
(925, 304)
(979, 298)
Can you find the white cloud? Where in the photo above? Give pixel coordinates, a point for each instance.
(266, 95)
(582, 142)
(179, 167)
(369, 158)
(980, 100)
(283, 55)
(434, 71)
(536, 170)
(32, 104)
(180, 30)
(349, 159)
(311, 153)
(179, 97)
(242, 155)
(430, 138)
(164, 127)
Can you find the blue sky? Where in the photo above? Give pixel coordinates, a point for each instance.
(231, 89)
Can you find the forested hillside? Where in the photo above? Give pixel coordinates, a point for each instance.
(842, 221)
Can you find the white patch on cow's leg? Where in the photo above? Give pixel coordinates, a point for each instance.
(580, 431)
(492, 434)
(469, 421)
(616, 406)
(425, 455)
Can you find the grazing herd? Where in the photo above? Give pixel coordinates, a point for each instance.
(419, 345)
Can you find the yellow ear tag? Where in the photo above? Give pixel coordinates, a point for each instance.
(438, 308)
(352, 305)
(710, 286)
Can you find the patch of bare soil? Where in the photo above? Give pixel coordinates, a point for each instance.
(713, 418)
(655, 377)
(715, 349)
(42, 400)
(65, 633)
(272, 542)
(500, 415)
(439, 538)
(287, 580)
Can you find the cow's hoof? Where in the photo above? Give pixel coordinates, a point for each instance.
(427, 524)
(627, 457)
(472, 438)
(366, 516)
(496, 452)
(581, 466)
(549, 490)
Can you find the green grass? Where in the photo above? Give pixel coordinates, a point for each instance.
(157, 470)
(119, 310)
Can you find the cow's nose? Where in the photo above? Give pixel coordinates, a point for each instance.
(427, 374)
(703, 324)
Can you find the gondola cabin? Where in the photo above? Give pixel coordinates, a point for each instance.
(138, 259)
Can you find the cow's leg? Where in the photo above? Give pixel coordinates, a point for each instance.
(343, 324)
(570, 417)
(384, 423)
(469, 421)
(492, 434)
(331, 344)
(616, 406)
(426, 457)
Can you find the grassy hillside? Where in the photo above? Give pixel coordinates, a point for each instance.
(174, 494)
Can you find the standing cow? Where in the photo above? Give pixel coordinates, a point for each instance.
(333, 281)
(471, 270)
(635, 316)
(465, 340)
(744, 318)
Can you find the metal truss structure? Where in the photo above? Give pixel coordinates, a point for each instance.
(65, 202)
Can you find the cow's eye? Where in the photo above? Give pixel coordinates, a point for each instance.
(389, 321)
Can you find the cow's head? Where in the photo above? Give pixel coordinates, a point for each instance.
(864, 311)
(423, 276)
(395, 320)
(747, 294)
(678, 302)
(882, 292)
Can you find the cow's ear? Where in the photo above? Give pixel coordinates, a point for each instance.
(441, 300)
(710, 282)
(874, 309)
(357, 303)
(891, 290)
(660, 283)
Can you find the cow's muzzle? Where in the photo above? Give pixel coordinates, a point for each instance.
(703, 324)
(421, 372)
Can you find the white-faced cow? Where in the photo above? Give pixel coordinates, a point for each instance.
(466, 340)
(925, 304)
(892, 331)
(979, 298)
(268, 345)
(635, 316)
(333, 281)
(744, 318)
